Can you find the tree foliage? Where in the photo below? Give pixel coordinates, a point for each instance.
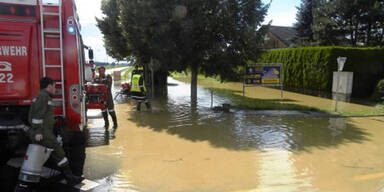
(304, 21)
(216, 35)
(349, 22)
(114, 42)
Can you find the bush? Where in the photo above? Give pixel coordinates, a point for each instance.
(311, 68)
(379, 91)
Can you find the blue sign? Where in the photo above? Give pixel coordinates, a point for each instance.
(263, 75)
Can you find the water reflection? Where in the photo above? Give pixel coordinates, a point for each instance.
(97, 137)
(278, 173)
(174, 148)
(242, 130)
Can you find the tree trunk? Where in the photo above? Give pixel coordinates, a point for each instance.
(161, 83)
(356, 34)
(194, 85)
(352, 33)
(368, 41)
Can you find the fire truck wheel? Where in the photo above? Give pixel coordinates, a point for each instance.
(75, 150)
(59, 126)
(8, 178)
(4, 157)
(23, 187)
(3, 145)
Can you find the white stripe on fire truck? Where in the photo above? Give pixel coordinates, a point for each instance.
(37, 121)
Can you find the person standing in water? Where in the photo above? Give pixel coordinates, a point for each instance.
(138, 90)
(102, 78)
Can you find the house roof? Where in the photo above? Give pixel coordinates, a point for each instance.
(285, 34)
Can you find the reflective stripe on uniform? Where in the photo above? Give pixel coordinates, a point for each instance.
(138, 97)
(104, 110)
(64, 160)
(34, 100)
(50, 103)
(111, 110)
(37, 121)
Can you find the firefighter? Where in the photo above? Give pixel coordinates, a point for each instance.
(107, 80)
(138, 90)
(41, 118)
(135, 71)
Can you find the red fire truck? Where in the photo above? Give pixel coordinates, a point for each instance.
(39, 39)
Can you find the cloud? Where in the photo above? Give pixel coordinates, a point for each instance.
(91, 30)
(283, 19)
(282, 12)
(88, 10)
(97, 45)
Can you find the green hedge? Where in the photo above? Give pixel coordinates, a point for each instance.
(379, 91)
(311, 68)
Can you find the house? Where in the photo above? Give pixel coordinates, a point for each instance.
(279, 37)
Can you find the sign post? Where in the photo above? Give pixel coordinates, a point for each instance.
(340, 62)
(264, 74)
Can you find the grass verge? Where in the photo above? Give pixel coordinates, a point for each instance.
(126, 74)
(225, 90)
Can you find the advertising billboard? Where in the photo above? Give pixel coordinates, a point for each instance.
(263, 75)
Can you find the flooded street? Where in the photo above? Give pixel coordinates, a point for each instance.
(173, 148)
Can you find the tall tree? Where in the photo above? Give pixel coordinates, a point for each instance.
(349, 22)
(373, 23)
(323, 27)
(114, 42)
(304, 20)
(212, 37)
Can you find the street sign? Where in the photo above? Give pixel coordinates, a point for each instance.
(340, 62)
(263, 74)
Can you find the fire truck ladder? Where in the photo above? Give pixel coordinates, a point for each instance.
(56, 33)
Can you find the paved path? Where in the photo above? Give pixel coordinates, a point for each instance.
(110, 71)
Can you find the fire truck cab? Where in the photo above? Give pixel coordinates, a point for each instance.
(39, 39)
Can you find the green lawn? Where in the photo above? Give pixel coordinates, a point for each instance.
(267, 104)
(126, 74)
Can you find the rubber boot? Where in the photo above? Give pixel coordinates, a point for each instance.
(148, 105)
(138, 106)
(70, 177)
(106, 122)
(114, 119)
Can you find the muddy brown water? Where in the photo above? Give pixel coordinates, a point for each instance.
(173, 148)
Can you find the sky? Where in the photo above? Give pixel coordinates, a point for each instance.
(281, 12)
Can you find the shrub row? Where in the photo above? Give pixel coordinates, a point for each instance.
(311, 68)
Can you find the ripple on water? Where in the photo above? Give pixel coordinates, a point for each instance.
(275, 139)
(117, 182)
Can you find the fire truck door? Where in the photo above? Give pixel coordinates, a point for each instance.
(18, 60)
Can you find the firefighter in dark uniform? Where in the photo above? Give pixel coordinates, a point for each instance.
(136, 71)
(41, 118)
(138, 90)
(107, 80)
